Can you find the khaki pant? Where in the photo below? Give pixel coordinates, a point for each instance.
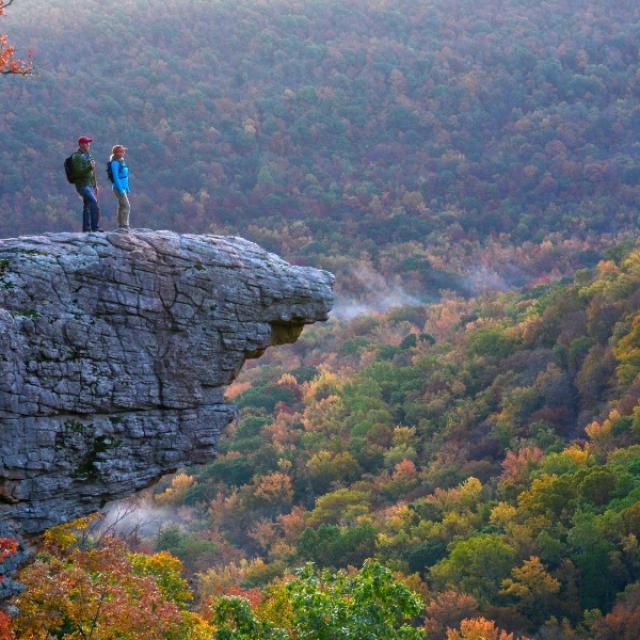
(124, 209)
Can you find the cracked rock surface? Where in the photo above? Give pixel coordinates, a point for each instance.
(115, 350)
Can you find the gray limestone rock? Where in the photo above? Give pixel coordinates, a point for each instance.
(115, 349)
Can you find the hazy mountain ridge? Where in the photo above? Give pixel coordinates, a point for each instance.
(368, 125)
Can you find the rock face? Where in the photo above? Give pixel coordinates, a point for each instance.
(115, 350)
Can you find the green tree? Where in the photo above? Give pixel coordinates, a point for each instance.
(477, 566)
(368, 604)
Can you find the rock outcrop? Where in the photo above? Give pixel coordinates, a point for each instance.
(115, 350)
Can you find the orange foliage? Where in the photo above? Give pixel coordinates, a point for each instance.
(5, 631)
(95, 593)
(623, 622)
(8, 63)
(264, 533)
(8, 546)
(280, 432)
(447, 609)
(293, 524)
(235, 389)
(404, 470)
(479, 629)
(253, 595)
(515, 465)
(288, 381)
(273, 488)
(601, 433)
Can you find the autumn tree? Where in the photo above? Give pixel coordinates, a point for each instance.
(8, 546)
(623, 622)
(480, 629)
(8, 62)
(446, 610)
(533, 588)
(77, 589)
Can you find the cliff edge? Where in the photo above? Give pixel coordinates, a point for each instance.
(115, 350)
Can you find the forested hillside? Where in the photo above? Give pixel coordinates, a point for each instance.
(463, 466)
(384, 131)
(487, 451)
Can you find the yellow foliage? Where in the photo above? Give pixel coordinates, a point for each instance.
(607, 269)
(326, 384)
(601, 433)
(579, 454)
(627, 351)
(502, 515)
(66, 535)
(324, 415)
(216, 581)
(194, 627)
(276, 606)
(342, 505)
(329, 466)
(175, 493)
(287, 380)
(461, 498)
(631, 263)
(531, 583)
(397, 517)
(404, 436)
(530, 500)
(167, 570)
(455, 525)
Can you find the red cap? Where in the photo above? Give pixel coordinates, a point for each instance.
(84, 140)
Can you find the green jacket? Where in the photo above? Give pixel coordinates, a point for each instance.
(82, 169)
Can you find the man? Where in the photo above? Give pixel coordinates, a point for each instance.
(84, 178)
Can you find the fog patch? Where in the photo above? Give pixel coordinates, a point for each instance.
(481, 278)
(137, 517)
(375, 294)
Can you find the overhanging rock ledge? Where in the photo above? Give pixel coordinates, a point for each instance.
(115, 349)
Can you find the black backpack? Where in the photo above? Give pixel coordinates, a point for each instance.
(110, 171)
(68, 169)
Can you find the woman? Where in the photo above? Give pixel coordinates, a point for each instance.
(119, 174)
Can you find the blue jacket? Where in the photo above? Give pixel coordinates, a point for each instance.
(120, 176)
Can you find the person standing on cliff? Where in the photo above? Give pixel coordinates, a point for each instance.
(118, 173)
(83, 169)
